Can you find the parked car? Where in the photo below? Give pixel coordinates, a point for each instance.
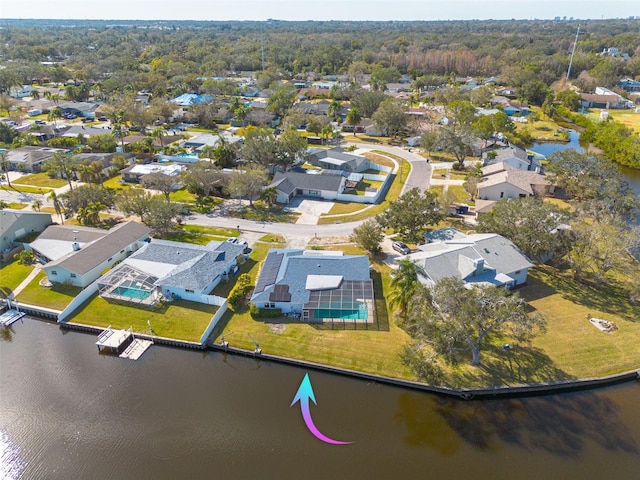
(400, 247)
(40, 122)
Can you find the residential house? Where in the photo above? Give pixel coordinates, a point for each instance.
(317, 286)
(30, 158)
(174, 270)
(501, 180)
(79, 109)
(21, 91)
(134, 173)
(84, 264)
(189, 99)
(16, 224)
(319, 185)
(630, 85)
(211, 140)
(481, 258)
(515, 156)
(338, 159)
(604, 98)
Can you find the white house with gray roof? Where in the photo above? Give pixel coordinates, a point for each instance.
(514, 156)
(501, 180)
(84, 263)
(174, 269)
(320, 185)
(318, 286)
(338, 159)
(482, 258)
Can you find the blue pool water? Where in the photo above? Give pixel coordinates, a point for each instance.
(131, 292)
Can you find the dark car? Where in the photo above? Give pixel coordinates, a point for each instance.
(400, 247)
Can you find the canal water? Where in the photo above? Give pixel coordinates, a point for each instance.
(68, 412)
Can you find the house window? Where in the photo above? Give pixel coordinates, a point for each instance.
(188, 291)
(270, 305)
(314, 192)
(122, 251)
(501, 194)
(109, 259)
(73, 275)
(54, 272)
(517, 272)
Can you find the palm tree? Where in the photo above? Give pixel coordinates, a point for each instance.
(54, 115)
(334, 108)
(36, 205)
(327, 131)
(158, 132)
(354, 118)
(57, 204)
(404, 283)
(5, 165)
(62, 165)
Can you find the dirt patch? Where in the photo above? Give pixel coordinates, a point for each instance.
(324, 241)
(277, 327)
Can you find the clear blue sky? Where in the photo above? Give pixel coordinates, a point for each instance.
(318, 10)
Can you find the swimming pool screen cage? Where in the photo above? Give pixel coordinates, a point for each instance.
(353, 302)
(128, 284)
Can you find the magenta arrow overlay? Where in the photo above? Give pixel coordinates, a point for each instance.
(305, 392)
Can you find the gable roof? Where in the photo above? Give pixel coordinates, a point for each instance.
(499, 173)
(319, 181)
(337, 157)
(96, 252)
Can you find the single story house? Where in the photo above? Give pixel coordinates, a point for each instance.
(318, 286)
(338, 159)
(80, 109)
(15, 224)
(321, 185)
(30, 158)
(501, 180)
(84, 262)
(174, 270)
(189, 99)
(134, 173)
(481, 258)
(211, 140)
(21, 91)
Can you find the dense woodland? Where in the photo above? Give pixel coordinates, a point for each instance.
(166, 56)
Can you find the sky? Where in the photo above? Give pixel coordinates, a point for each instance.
(319, 10)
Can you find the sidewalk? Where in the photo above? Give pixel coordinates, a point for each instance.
(26, 281)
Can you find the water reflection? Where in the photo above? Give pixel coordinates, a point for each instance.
(559, 425)
(11, 464)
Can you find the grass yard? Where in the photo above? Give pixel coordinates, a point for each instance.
(183, 196)
(272, 238)
(56, 297)
(24, 189)
(180, 319)
(41, 180)
(456, 175)
(117, 184)
(216, 231)
(18, 206)
(199, 235)
(380, 160)
(11, 275)
(572, 342)
(459, 194)
(628, 118)
(340, 208)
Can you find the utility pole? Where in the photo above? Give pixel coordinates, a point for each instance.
(575, 42)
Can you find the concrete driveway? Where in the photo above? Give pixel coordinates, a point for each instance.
(310, 210)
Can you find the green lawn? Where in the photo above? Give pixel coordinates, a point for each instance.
(17, 205)
(571, 342)
(456, 175)
(41, 180)
(628, 118)
(272, 238)
(217, 231)
(183, 196)
(117, 184)
(56, 297)
(459, 193)
(22, 189)
(180, 319)
(340, 208)
(379, 159)
(11, 275)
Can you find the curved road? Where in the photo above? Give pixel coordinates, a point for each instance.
(419, 176)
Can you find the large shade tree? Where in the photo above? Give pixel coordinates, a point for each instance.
(410, 214)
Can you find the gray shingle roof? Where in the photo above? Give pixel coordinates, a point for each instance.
(196, 266)
(296, 266)
(328, 182)
(93, 254)
(455, 258)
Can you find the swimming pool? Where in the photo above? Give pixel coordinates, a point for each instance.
(131, 292)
